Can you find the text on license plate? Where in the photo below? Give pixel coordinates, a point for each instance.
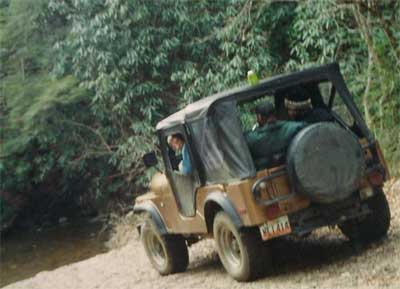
(275, 228)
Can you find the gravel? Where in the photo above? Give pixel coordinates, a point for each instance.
(323, 260)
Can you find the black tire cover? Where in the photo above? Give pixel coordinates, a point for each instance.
(325, 162)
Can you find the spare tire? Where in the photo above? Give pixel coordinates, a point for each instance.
(325, 162)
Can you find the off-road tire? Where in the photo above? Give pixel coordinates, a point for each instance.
(172, 254)
(250, 260)
(373, 226)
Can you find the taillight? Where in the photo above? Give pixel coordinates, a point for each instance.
(375, 178)
(273, 211)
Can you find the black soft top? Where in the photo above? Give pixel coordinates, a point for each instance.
(202, 107)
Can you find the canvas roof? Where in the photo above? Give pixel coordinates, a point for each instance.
(201, 107)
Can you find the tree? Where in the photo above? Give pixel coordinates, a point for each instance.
(83, 83)
(361, 35)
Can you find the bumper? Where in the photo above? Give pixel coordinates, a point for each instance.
(317, 215)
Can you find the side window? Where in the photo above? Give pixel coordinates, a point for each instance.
(247, 112)
(335, 102)
(247, 117)
(184, 180)
(178, 154)
(341, 109)
(326, 89)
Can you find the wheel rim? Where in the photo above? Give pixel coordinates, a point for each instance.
(156, 249)
(230, 247)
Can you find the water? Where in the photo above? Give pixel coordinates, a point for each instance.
(24, 254)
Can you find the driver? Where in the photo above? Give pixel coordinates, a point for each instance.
(177, 143)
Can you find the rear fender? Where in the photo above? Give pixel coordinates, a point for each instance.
(215, 202)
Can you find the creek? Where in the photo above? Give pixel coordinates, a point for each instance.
(24, 254)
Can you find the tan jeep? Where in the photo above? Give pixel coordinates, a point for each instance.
(330, 172)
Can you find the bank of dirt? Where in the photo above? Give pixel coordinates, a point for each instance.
(323, 260)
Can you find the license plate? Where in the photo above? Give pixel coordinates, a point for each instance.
(275, 228)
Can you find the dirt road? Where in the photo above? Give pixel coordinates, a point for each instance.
(323, 260)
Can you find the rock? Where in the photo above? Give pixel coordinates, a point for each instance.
(345, 275)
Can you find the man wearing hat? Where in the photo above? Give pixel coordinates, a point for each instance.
(303, 111)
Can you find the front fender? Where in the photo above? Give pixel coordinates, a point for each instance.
(150, 208)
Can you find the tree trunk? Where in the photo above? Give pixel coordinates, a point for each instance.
(373, 60)
(367, 115)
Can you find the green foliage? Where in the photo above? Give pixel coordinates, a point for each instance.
(43, 162)
(352, 32)
(143, 59)
(83, 83)
(249, 37)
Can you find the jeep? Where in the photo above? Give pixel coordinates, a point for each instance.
(243, 192)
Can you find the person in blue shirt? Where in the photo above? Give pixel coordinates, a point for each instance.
(177, 143)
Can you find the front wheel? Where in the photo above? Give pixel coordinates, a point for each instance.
(167, 253)
(373, 226)
(241, 253)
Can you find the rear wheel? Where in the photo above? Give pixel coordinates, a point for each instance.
(373, 226)
(243, 254)
(167, 253)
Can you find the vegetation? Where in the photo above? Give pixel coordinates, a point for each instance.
(83, 83)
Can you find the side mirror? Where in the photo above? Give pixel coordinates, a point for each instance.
(150, 159)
